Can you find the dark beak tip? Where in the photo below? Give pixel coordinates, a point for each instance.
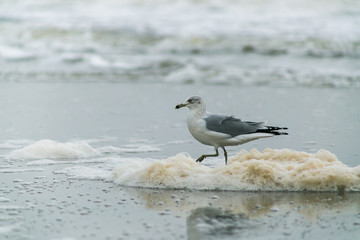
(180, 106)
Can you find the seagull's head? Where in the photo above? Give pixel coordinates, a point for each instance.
(194, 102)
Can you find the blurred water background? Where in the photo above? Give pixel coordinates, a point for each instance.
(287, 43)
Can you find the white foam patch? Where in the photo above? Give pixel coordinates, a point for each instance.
(20, 170)
(54, 150)
(13, 207)
(46, 162)
(43, 162)
(111, 160)
(48, 150)
(102, 171)
(13, 53)
(270, 170)
(4, 199)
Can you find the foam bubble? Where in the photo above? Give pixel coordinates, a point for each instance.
(270, 170)
(54, 150)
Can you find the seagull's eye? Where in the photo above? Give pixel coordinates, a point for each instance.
(190, 101)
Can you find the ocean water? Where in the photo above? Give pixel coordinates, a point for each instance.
(80, 164)
(277, 43)
(91, 146)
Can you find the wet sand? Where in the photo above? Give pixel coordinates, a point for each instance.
(55, 198)
(58, 208)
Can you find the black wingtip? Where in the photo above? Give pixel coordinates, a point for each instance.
(273, 130)
(276, 128)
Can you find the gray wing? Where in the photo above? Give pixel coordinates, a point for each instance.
(230, 125)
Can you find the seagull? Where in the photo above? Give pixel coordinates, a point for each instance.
(221, 130)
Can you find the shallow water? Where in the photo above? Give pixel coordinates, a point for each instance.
(60, 154)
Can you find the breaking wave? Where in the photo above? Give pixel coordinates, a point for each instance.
(270, 170)
(236, 42)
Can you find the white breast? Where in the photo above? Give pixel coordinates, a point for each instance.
(197, 127)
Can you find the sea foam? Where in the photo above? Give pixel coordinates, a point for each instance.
(270, 170)
(49, 150)
(54, 150)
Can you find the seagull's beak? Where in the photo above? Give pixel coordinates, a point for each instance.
(180, 105)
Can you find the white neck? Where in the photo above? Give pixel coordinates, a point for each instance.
(196, 113)
(199, 110)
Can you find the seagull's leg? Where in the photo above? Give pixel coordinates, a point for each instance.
(225, 154)
(204, 156)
